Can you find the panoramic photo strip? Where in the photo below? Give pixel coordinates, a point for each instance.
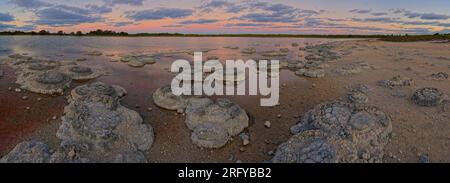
(255, 87)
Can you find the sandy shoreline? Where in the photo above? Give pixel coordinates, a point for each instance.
(416, 130)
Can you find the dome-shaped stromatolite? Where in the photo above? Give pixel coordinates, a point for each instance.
(214, 122)
(428, 97)
(40, 67)
(221, 112)
(164, 98)
(314, 147)
(366, 127)
(48, 82)
(28, 152)
(209, 135)
(95, 118)
(78, 72)
(396, 81)
(93, 130)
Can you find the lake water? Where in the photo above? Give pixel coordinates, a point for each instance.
(172, 136)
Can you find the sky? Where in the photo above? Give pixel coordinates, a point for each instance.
(231, 17)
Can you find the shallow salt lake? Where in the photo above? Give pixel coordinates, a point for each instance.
(172, 137)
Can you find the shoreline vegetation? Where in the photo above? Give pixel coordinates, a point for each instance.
(99, 32)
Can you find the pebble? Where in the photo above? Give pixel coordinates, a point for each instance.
(424, 158)
(39, 99)
(24, 98)
(71, 154)
(313, 85)
(180, 111)
(279, 116)
(18, 90)
(245, 139)
(9, 88)
(242, 149)
(270, 153)
(137, 106)
(27, 108)
(149, 109)
(238, 161)
(54, 117)
(245, 142)
(267, 124)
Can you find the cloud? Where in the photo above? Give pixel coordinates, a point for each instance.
(376, 19)
(211, 5)
(6, 17)
(62, 15)
(99, 9)
(360, 11)
(173, 26)
(127, 2)
(402, 22)
(379, 14)
(433, 16)
(417, 31)
(245, 25)
(199, 21)
(30, 4)
(397, 10)
(424, 16)
(275, 13)
(16, 28)
(157, 14)
(122, 24)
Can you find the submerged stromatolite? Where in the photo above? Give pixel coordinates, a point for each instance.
(79, 72)
(49, 76)
(47, 82)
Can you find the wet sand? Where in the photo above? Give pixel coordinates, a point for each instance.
(416, 129)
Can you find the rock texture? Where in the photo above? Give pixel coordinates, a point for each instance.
(95, 128)
(337, 131)
(396, 81)
(49, 76)
(428, 97)
(28, 152)
(212, 123)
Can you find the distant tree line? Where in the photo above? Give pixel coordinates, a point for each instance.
(99, 32)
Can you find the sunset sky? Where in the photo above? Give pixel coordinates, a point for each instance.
(238, 16)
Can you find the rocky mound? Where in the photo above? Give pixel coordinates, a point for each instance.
(396, 81)
(212, 123)
(78, 72)
(164, 98)
(316, 60)
(428, 97)
(314, 147)
(248, 51)
(354, 68)
(95, 128)
(28, 152)
(337, 131)
(47, 82)
(440, 76)
(49, 76)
